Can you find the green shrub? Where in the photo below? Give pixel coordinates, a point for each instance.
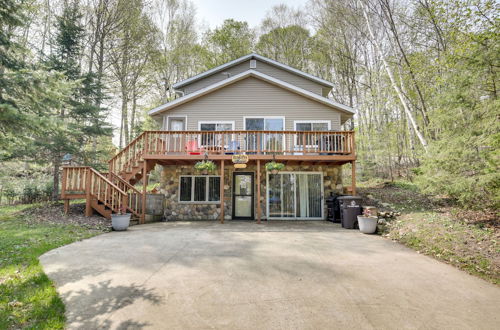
(10, 193)
(31, 194)
(47, 190)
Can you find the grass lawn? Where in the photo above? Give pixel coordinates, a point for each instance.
(467, 239)
(28, 298)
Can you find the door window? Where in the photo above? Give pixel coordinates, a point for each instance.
(176, 124)
(243, 196)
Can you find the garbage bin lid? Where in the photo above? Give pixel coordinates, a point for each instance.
(350, 197)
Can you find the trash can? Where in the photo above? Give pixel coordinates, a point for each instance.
(350, 208)
(333, 208)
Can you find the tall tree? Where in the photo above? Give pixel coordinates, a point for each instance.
(131, 51)
(79, 121)
(231, 40)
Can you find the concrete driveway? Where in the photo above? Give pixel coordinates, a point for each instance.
(203, 275)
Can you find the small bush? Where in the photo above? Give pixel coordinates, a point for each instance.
(31, 194)
(10, 193)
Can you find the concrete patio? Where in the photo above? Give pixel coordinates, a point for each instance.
(282, 275)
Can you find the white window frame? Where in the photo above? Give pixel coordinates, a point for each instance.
(295, 122)
(295, 197)
(192, 201)
(263, 117)
(283, 142)
(200, 122)
(232, 122)
(297, 142)
(166, 119)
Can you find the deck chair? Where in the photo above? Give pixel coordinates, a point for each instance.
(233, 147)
(192, 148)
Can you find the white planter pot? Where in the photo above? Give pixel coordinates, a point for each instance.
(120, 221)
(367, 225)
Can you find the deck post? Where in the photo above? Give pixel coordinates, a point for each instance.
(353, 177)
(222, 191)
(259, 212)
(88, 203)
(66, 206)
(144, 189)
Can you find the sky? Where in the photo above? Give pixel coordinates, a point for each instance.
(214, 12)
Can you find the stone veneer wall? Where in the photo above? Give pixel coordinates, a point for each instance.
(332, 181)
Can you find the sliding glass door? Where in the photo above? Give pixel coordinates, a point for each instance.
(270, 142)
(295, 195)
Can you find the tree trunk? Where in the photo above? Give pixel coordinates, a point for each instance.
(126, 136)
(393, 29)
(132, 115)
(393, 80)
(55, 175)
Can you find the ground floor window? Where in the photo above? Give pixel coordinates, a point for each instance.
(295, 195)
(199, 188)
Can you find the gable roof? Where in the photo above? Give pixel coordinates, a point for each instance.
(243, 75)
(246, 58)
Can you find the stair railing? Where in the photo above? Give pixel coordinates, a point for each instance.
(106, 192)
(134, 195)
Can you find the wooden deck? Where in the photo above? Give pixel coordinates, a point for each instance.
(116, 191)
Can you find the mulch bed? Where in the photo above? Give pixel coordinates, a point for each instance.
(54, 213)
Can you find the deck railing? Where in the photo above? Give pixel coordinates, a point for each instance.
(231, 142)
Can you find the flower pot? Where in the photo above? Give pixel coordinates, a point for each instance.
(367, 225)
(274, 171)
(204, 172)
(120, 221)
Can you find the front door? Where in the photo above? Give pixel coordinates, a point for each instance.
(243, 196)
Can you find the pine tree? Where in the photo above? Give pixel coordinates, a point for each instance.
(80, 121)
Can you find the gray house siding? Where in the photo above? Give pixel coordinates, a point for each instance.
(262, 67)
(252, 97)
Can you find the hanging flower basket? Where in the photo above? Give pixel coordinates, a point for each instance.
(274, 167)
(205, 166)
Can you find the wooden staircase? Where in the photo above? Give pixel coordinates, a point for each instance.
(113, 192)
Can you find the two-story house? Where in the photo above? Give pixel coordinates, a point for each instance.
(244, 113)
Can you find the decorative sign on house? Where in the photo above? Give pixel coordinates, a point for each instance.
(240, 161)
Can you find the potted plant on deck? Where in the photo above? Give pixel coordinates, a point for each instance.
(121, 220)
(205, 166)
(367, 222)
(274, 167)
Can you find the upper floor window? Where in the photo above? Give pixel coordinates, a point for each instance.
(312, 125)
(216, 126)
(307, 126)
(210, 126)
(264, 123)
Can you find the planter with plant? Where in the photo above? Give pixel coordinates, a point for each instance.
(274, 167)
(121, 220)
(368, 221)
(205, 167)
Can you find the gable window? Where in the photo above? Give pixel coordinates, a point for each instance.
(199, 189)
